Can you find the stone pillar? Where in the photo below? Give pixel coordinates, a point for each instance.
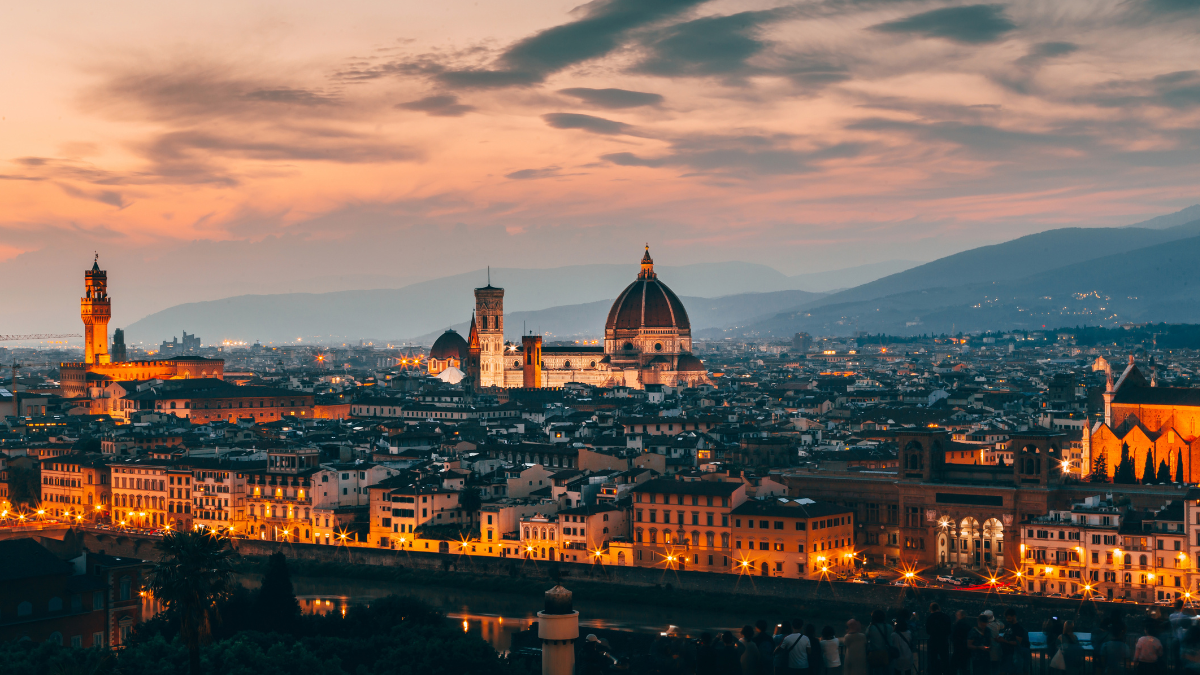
(558, 628)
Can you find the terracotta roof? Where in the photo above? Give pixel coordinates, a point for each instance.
(450, 345)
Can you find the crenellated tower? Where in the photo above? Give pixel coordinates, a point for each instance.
(489, 324)
(95, 309)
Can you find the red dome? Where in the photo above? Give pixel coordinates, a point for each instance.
(689, 363)
(450, 345)
(647, 303)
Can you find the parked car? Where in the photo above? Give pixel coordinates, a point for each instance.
(947, 579)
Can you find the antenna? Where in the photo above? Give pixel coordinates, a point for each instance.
(489, 275)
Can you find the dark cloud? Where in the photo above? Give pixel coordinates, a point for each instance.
(1173, 5)
(110, 197)
(986, 140)
(203, 91)
(613, 98)
(972, 24)
(442, 105)
(596, 125)
(1179, 90)
(1047, 50)
(764, 155)
(531, 174)
(715, 45)
(605, 26)
(319, 145)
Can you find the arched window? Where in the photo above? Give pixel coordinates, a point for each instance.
(25, 609)
(653, 536)
(55, 638)
(724, 540)
(666, 536)
(56, 604)
(637, 535)
(1128, 560)
(1128, 577)
(709, 539)
(606, 530)
(606, 517)
(695, 538)
(1142, 560)
(527, 533)
(628, 346)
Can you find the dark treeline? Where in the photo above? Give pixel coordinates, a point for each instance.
(262, 632)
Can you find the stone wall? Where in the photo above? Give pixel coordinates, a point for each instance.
(808, 596)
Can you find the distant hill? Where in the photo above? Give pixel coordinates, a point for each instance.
(1015, 259)
(1150, 283)
(430, 306)
(822, 282)
(1190, 214)
(732, 312)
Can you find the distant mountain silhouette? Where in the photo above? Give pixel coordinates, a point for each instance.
(1157, 282)
(431, 306)
(712, 316)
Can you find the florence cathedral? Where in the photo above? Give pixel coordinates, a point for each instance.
(647, 340)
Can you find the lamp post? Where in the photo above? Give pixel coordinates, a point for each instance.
(558, 628)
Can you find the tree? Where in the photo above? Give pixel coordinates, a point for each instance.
(25, 485)
(1164, 473)
(192, 577)
(276, 604)
(1124, 474)
(471, 499)
(1178, 467)
(1099, 468)
(1148, 469)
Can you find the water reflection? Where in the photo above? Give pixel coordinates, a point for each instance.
(497, 630)
(495, 617)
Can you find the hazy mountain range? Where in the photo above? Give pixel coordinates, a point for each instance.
(556, 300)
(1068, 276)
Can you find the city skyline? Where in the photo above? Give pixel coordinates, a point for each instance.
(268, 146)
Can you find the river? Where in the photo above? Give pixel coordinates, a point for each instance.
(497, 616)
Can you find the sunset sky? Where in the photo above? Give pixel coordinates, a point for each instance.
(209, 149)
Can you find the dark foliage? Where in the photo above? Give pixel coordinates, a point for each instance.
(276, 602)
(1099, 469)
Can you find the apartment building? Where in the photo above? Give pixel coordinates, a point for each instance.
(665, 513)
(139, 491)
(792, 538)
(279, 498)
(1102, 547)
(76, 487)
(215, 488)
(399, 506)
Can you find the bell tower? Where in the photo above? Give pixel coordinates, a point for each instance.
(95, 309)
(489, 323)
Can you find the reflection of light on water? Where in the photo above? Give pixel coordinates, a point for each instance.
(322, 604)
(498, 630)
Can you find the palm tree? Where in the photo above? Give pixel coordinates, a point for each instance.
(192, 576)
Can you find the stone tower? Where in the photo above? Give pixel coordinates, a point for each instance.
(531, 373)
(471, 381)
(95, 309)
(489, 322)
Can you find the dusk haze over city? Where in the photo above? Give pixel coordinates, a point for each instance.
(660, 337)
